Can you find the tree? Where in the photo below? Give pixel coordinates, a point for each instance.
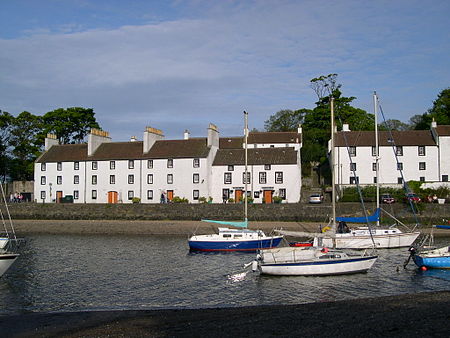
(285, 120)
(440, 112)
(70, 125)
(6, 121)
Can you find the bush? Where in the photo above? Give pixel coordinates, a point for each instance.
(231, 200)
(136, 200)
(178, 199)
(202, 199)
(277, 199)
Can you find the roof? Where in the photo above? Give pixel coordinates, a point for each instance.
(259, 156)
(231, 142)
(443, 130)
(401, 138)
(191, 148)
(274, 137)
(64, 153)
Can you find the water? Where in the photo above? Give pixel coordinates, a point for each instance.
(93, 272)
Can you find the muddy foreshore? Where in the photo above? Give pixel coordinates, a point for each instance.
(412, 315)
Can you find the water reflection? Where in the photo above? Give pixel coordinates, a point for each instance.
(71, 273)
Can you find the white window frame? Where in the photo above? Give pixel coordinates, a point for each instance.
(76, 179)
(112, 179)
(169, 178)
(94, 165)
(278, 177)
(94, 180)
(112, 165)
(227, 178)
(43, 167)
(130, 179)
(149, 178)
(195, 178)
(196, 163)
(262, 177)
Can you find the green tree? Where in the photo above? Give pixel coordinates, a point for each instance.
(394, 125)
(440, 112)
(6, 121)
(285, 120)
(70, 125)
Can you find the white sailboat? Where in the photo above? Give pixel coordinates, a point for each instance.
(242, 239)
(363, 237)
(316, 260)
(8, 239)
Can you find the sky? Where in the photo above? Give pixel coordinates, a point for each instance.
(180, 65)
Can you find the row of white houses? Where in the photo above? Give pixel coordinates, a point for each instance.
(101, 171)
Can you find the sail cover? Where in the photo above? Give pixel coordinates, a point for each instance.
(363, 219)
(234, 224)
(442, 226)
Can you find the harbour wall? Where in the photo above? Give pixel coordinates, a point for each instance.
(294, 212)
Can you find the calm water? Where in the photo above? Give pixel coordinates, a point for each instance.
(90, 272)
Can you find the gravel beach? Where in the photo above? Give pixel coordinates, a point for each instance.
(413, 315)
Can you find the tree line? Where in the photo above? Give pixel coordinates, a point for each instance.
(316, 122)
(22, 137)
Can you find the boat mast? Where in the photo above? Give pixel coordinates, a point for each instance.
(246, 160)
(333, 185)
(376, 153)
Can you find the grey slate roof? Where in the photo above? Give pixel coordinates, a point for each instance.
(258, 156)
(401, 138)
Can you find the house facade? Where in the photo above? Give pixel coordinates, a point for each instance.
(419, 155)
(103, 171)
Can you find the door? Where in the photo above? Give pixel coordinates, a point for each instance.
(237, 196)
(169, 195)
(113, 196)
(59, 196)
(268, 196)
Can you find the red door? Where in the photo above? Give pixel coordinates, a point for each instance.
(268, 196)
(238, 196)
(169, 195)
(112, 196)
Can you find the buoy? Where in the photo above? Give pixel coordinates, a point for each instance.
(254, 266)
(423, 268)
(324, 250)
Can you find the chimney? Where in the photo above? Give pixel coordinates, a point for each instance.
(213, 136)
(133, 139)
(186, 134)
(95, 138)
(151, 135)
(50, 140)
(345, 127)
(299, 129)
(433, 123)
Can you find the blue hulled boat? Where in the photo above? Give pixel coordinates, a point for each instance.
(430, 257)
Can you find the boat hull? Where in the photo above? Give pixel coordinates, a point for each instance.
(235, 245)
(6, 260)
(349, 241)
(345, 266)
(433, 259)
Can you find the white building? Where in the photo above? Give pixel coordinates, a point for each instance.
(102, 171)
(419, 155)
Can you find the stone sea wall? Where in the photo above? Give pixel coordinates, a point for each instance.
(256, 212)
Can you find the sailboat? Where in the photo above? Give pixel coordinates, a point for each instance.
(316, 260)
(241, 239)
(7, 240)
(363, 237)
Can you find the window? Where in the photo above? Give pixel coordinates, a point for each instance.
(149, 194)
(76, 194)
(170, 163)
(278, 177)
(399, 166)
(130, 179)
(195, 194)
(262, 177)
(195, 178)
(421, 150)
(196, 163)
(256, 194)
(352, 151)
(76, 179)
(374, 166)
(282, 193)
(112, 165)
(266, 166)
(43, 180)
(169, 179)
(130, 194)
(422, 166)
(150, 179)
(94, 179)
(231, 168)
(354, 180)
(352, 166)
(399, 180)
(42, 195)
(58, 179)
(130, 164)
(225, 194)
(444, 178)
(59, 166)
(399, 150)
(375, 180)
(76, 165)
(374, 151)
(227, 178)
(112, 179)
(243, 178)
(94, 194)
(422, 178)
(94, 165)
(150, 165)
(43, 167)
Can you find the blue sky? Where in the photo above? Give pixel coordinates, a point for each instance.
(177, 65)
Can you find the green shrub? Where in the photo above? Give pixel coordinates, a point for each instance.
(178, 199)
(136, 200)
